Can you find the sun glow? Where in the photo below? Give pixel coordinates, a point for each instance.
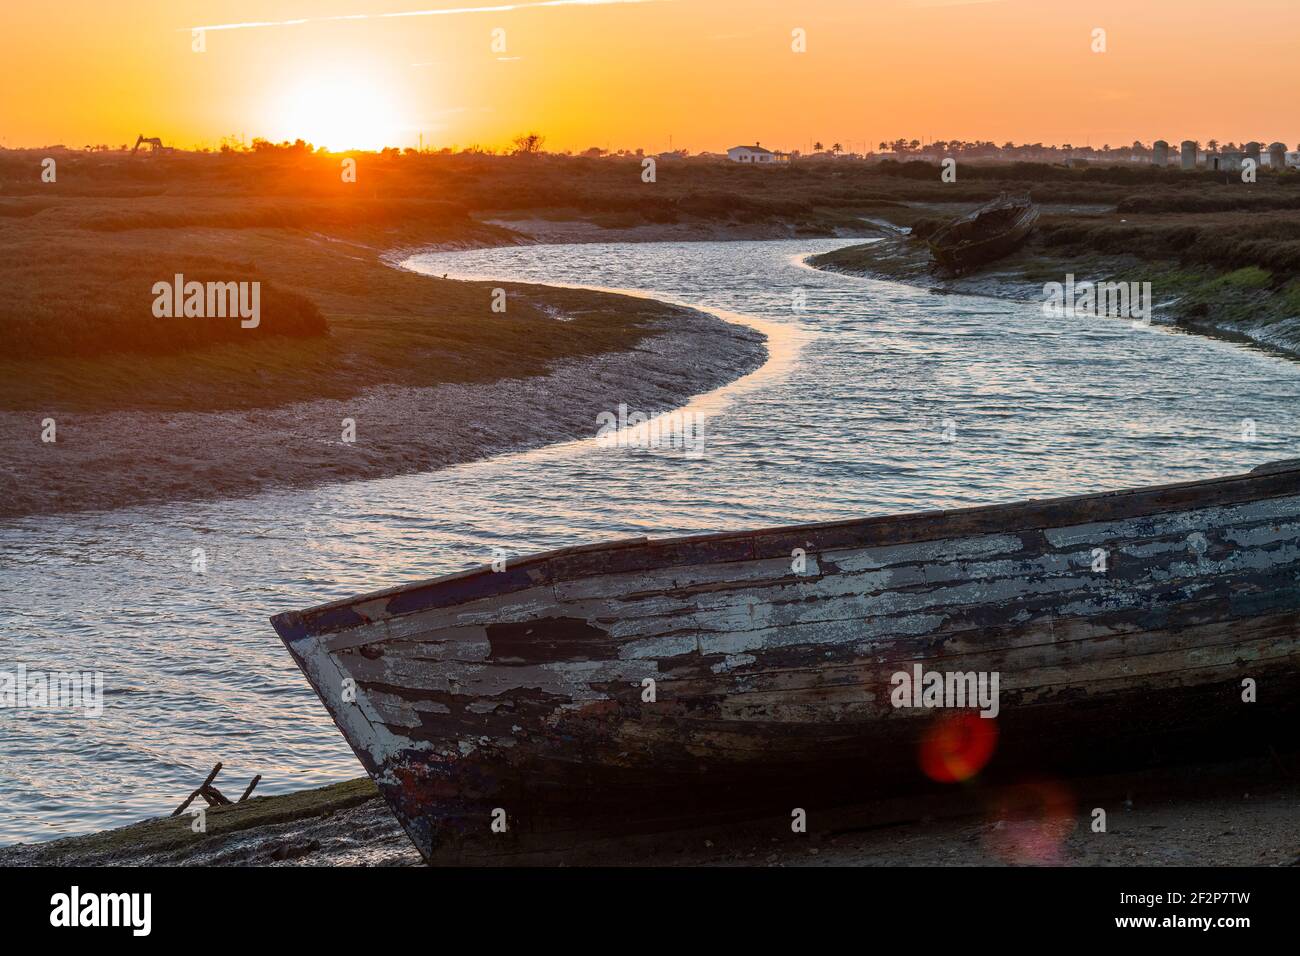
(340, 112)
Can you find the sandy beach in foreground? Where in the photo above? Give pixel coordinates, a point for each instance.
(1240, 814)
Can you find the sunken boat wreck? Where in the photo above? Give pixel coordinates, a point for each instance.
(984, 234)
(647, 685)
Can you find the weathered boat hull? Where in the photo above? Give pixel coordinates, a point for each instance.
(773, 657)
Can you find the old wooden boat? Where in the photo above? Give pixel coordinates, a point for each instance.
(642, 683)
(987, 233)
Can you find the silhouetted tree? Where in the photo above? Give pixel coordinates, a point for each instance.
(529, 144)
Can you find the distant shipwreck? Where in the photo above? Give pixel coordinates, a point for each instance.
(984, 234)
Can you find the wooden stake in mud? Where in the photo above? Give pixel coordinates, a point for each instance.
(251, 784)
(212, 795)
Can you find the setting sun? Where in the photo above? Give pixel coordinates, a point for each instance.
(339, 112)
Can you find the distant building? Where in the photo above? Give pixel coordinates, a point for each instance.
(755, 154)
(1277, 155)
(1188, 148)
(1160, 153)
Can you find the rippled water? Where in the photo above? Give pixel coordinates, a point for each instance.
(849, 418)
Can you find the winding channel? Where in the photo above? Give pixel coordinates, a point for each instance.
(878, 397)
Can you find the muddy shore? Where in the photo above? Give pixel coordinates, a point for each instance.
(131, 457)
(1237, 814)
(427, 376)
(1236, 306)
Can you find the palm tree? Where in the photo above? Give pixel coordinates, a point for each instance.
(836, 148)
(817, 146)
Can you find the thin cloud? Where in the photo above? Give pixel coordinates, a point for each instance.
(444, 12)
(951, 3)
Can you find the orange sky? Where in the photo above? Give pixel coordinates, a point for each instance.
(708, 73)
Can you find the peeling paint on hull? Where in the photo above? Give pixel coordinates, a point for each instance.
(524, 690)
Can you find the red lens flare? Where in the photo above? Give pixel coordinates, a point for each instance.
(1031, 821)
(957, 745)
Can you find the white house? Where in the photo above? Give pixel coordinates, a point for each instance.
(755, 154)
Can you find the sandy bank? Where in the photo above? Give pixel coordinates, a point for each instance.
(426, 370)
(1240, 815)
(122, 458)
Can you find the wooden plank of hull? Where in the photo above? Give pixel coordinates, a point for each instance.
(552, 802)
(642, 555)
(1032, 559)
(866, 696)
(481, 691)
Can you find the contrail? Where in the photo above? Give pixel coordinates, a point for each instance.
(951, 3)
(444, 12)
